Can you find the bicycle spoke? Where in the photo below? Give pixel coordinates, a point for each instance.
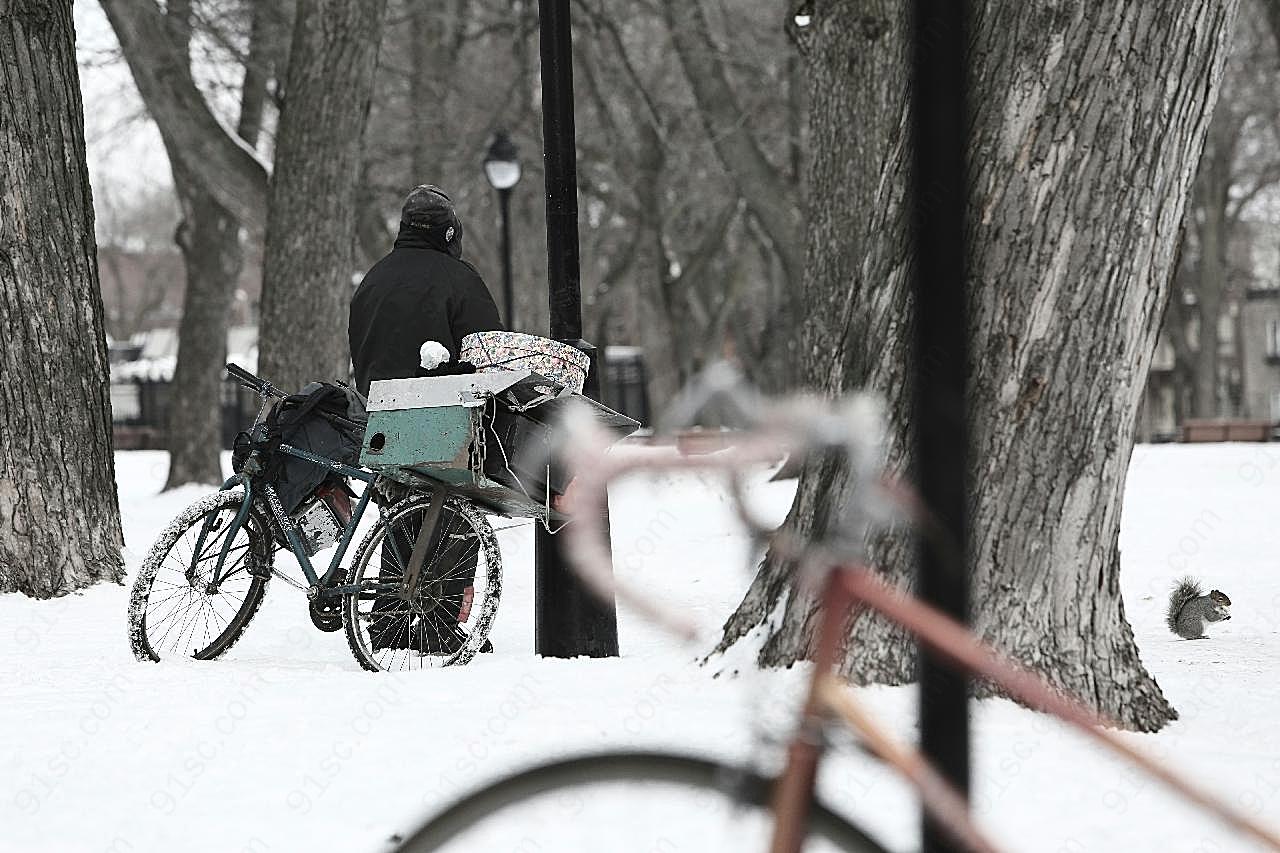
(203, 630)
(180, 623)
(180, 582)
(225, 599)
(176, 610)
(239, 552)
(192, 625)
(214, 541)
(183, 590)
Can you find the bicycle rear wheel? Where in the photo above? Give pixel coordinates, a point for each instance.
(174, 610)
(646, 801)
(447, 620)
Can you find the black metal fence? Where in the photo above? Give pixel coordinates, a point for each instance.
(140, 409)
(625, 383)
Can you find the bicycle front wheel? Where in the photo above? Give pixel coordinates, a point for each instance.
(177, 609)
(626, 801)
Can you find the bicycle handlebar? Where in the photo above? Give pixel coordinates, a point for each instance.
(254, 383)
(799, 425)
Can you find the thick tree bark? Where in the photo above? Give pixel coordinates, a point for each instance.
(1087, 121)
(266, 41)
(59, 518)
(307, 256)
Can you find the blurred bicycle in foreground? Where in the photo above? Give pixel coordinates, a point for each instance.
(653, 800)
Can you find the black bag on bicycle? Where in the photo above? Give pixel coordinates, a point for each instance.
(323, 418)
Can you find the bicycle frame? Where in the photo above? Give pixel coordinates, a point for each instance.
(827, 697)
(320, 584)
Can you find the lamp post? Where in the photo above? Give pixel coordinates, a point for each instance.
(569, 620)
(502, 168)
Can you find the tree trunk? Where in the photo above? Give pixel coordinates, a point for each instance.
(1085, 120)
(210, 241)
(307, 256)
(1211, 191)
(227, 168)
(433, 52)
(1174, 323)
(209, 237)
(765, 188)
(59, 518)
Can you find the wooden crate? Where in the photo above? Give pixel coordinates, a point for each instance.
(485, 435)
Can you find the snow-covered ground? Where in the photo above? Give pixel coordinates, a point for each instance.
(286, 745)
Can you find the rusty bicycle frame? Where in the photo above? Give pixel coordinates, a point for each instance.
(845, 587)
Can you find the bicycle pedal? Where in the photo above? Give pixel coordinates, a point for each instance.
(259, 568)
(326, 610)
(326, 614)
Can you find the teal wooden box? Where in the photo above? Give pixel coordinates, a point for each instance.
(424, 447)
(425, 431)
(439, 437)
(468, 432)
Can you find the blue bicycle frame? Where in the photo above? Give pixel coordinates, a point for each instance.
(319, 584)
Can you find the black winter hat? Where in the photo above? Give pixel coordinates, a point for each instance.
(430, 209)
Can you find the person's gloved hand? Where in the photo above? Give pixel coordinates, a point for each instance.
(433, 354)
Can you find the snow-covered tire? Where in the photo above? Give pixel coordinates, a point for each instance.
(464, 521)
(197, 608)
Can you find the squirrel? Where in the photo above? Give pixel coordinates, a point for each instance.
(1190, 608)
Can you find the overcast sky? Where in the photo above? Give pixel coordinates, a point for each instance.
(125, 152)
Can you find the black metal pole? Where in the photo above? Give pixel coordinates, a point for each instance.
(568, 620)
(941, 357)
(508, 297)
(559, 154)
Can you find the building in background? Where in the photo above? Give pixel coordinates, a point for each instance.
(141, 373)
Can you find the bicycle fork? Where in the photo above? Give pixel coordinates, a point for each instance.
(215, 575)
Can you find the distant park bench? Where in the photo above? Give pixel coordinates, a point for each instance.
(1224, 429)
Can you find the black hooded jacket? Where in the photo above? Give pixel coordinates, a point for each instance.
(417, 293)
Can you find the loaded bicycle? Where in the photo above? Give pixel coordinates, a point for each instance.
(435, 456)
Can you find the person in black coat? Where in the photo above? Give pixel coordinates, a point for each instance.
(422, 291)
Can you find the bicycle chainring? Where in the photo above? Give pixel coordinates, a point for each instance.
(326, 610)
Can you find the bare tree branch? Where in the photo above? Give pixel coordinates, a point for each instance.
(769, 196)
(225, 167)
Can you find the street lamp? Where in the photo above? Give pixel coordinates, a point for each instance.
(502, 168)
